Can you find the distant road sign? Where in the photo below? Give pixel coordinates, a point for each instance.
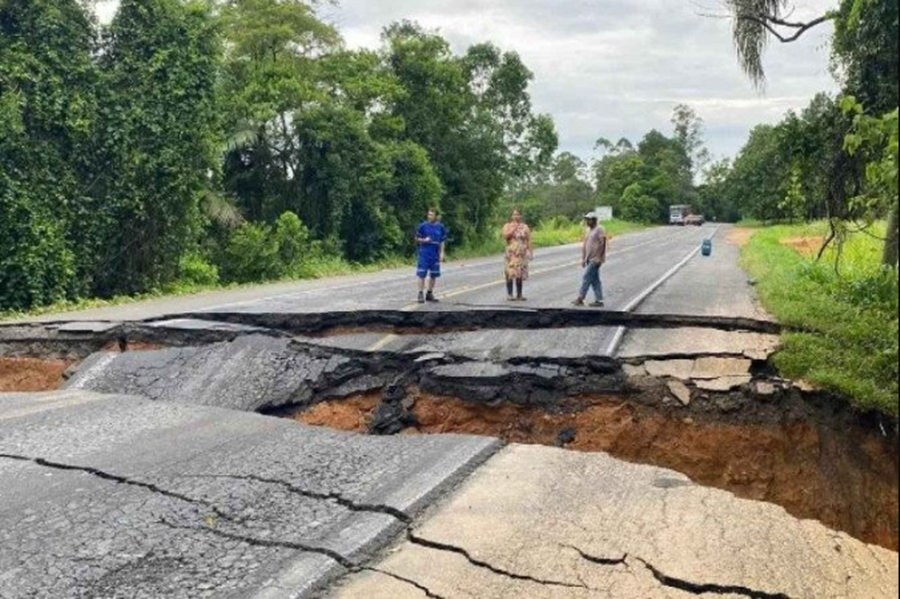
(605, 213)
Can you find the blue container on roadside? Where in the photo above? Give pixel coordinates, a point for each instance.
(707, 247)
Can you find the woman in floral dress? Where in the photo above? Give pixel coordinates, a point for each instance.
(519, 253)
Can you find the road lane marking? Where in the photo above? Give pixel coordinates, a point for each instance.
(634, 304)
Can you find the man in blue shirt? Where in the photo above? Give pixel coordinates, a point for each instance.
(432, 240)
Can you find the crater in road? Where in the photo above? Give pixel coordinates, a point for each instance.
(725, 420)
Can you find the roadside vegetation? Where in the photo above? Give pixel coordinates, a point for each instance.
(195, 143)
(846, 303)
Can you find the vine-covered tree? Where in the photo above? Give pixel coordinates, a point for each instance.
(159, 121)
(47, 119)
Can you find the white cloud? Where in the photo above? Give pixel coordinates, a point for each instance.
(616, 68)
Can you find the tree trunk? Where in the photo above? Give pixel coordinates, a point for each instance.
(892, 244)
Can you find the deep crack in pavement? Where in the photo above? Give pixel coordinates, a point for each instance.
(707, 589)
(337, 498)
(122, 480)
(447, 548)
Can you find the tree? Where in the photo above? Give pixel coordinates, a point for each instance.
(637, 206)
(615, 171)
(273, 70)
(158, 140)
(757, 183)
(472, 114)
(713, 199)
(880, 137)
(689, 133)
(867, 52)
(47, 121)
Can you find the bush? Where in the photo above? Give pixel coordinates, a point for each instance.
(295, 246)
(196, 271)
(251, 255)
(256, 253)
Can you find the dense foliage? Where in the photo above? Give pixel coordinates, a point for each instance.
(238, 141)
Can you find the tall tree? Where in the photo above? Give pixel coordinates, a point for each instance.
(47, 118)
(867, 52)
(689, 133)
(272, 72)
(159, 116)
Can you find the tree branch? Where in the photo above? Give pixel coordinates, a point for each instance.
(773, 23)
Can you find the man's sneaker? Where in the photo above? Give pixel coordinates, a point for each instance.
(598, 304)
(431, 299)
(421, 297)
(578, 303)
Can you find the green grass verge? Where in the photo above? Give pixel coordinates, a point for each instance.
(850, 312)
(552, 235)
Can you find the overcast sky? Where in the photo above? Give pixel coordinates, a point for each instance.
(616, 68)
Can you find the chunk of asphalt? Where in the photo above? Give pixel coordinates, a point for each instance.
(718, 368)
(251, 373)
(724, 384)
(392, 416)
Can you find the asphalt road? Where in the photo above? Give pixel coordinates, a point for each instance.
(638, 263)
(112, 496)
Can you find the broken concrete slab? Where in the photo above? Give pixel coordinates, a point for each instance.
(87, 327)
(707, 368)
(723, 384)
(677, 369)
(634, 371)
(545, 523)
(717, 368)
(120, 496)
(698, 342)
(193, 324)
(681, 392)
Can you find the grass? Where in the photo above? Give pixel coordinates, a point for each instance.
(552, 235)
(847, 306)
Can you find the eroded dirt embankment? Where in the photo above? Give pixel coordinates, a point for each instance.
(844, 477)
(29, 375)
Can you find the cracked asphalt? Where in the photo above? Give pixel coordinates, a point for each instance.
(538, 522)
(115, 496)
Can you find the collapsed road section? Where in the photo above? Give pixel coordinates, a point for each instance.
(726, 419)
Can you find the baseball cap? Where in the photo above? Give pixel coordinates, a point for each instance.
(591, 216)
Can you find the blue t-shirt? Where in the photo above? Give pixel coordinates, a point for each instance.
(438, 235)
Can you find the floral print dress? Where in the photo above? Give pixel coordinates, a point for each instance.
(518, 250)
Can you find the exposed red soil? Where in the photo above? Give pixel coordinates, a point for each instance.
(26, 375)
(845, 479)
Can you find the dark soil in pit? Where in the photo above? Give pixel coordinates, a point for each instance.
(845, 478)
(26, 375)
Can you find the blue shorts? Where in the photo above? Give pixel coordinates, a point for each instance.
(429, 265)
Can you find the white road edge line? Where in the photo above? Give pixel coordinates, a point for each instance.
(634, 304)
